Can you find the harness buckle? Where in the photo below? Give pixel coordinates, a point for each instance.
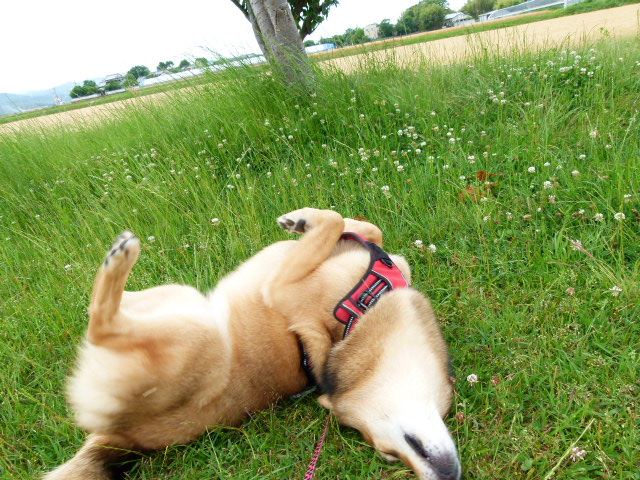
(368, 297)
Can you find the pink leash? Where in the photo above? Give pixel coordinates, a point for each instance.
(311, 470)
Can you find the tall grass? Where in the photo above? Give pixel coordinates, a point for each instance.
(527, 254)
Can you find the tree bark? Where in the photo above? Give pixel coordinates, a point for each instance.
(278, 37)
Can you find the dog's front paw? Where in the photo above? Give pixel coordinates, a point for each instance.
(125, 250)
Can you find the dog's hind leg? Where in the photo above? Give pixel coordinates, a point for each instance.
(105, 327)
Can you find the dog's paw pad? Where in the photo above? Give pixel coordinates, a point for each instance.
(293, 223)
(126, 247)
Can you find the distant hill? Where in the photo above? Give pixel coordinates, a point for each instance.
(11, 103)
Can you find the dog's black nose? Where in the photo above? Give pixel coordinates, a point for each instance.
(444, 465)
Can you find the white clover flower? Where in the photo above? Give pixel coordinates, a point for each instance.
(509, 215)
(575, 173)
(598, 217)
(582, 156)
(552, 199)
(230, 187)
(432, 248)
(547, 185)
(473, 378)
(418, 243)
(400, 132)
(576, 245)
(593, 133)
(577, 454)
(215, 221)
(615, 290)
(400, 168)
(445, 166)
(531, 169)
(619, 216)
(385, 188)
(151, 238)
(452, 140)
(547, 164)
(68, 267)
(487, 219)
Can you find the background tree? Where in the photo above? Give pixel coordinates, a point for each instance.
(184, 64)
(165, 65)
(280, 26)
(424, 16)
(130, 80)
(386, 28)
(112, 85)
(88, 87)
(475, 8)
(506, 3)
(201, 62)
(355, 36)
(139, 71)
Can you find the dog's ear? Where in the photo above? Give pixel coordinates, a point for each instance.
(325, 401)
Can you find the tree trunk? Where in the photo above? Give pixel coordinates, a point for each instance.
(278, 37)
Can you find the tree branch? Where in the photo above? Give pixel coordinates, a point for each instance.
(242, 8)
(296, 9)
(315, 15)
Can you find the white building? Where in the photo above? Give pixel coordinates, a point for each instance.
(372, 31)
(457, 19)
(323, 47)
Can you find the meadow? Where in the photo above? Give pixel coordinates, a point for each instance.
(511, 184)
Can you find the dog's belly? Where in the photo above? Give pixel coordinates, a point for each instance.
(177, 301)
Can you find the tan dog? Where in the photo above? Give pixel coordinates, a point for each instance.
(160, 365)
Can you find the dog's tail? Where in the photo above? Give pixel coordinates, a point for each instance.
(93, 460)
(104, 325)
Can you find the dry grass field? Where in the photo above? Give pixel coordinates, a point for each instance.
(570, 30)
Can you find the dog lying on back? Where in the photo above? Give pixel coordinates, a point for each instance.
(161, 365)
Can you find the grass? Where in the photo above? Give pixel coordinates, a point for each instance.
(523, 305)
(584, 7)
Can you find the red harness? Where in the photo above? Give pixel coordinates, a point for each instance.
(381, 276)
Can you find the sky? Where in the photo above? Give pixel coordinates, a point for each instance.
(47, 43)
